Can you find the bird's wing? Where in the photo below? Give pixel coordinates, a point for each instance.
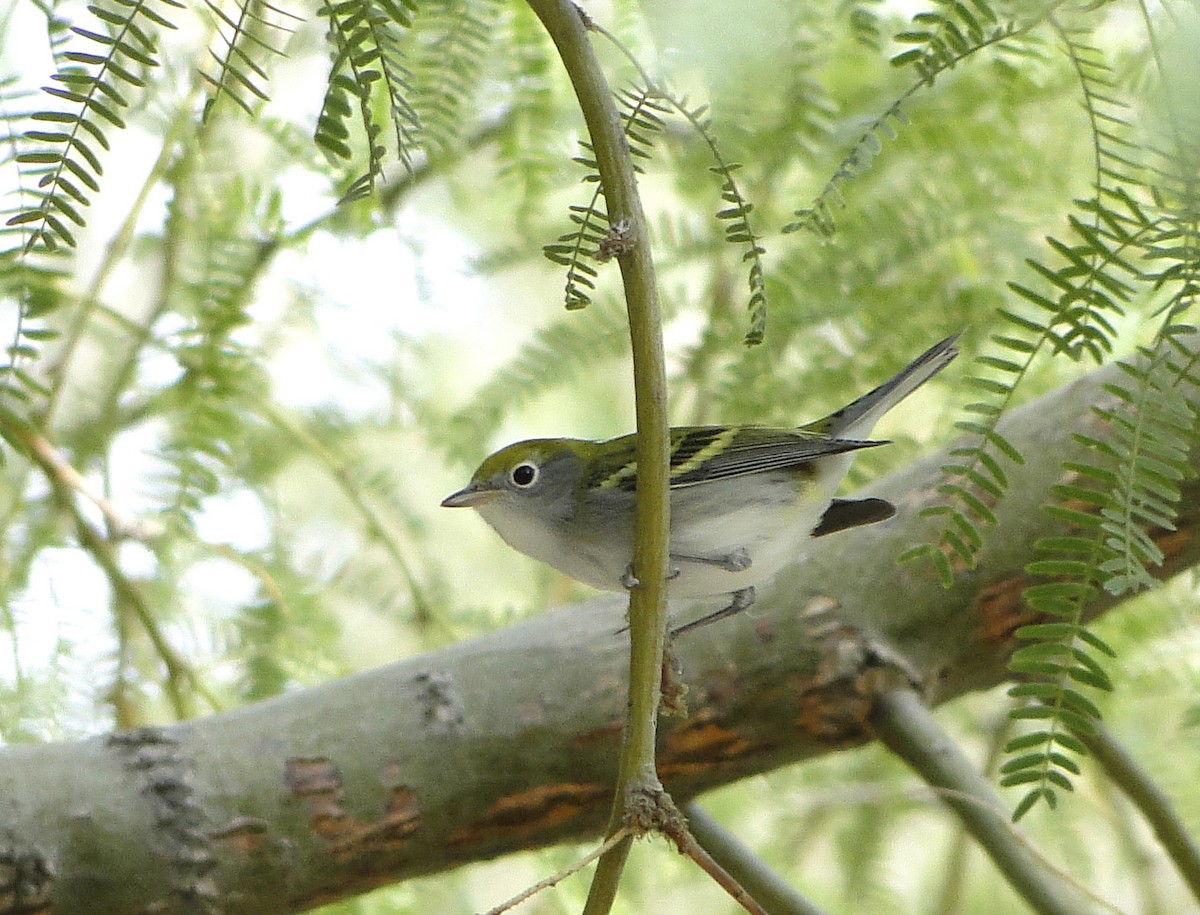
(701, 454)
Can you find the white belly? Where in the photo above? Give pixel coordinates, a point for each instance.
(764, 521)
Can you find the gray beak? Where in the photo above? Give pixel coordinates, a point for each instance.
(470, 496)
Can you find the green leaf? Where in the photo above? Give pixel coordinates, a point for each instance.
(1030, 800)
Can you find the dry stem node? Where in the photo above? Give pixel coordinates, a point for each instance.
(618, 241)
(648, 808)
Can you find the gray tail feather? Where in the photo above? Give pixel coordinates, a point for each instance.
(856, 419)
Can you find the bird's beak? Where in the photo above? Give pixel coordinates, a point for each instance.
(470, 496)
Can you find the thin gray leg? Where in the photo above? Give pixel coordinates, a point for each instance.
(738, 601)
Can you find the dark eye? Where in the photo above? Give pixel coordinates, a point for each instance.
(524, 475)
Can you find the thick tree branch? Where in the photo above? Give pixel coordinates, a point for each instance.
(510, 741)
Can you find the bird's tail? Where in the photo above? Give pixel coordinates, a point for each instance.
(855, 420)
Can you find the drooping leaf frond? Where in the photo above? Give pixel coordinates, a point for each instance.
(1072, 316)
(863, 16)
(818, 215)
(1061, 655)
(1115, 167)
(204, 407)
(944, 38)
(1152, 438)
(17, 279)
(642, 114)
(63, 155)
(1154, 426)
(1117, 504)
(1115, 507)
(368, 59)
(976, 479)
(736, 215)
(527, 135)
(242, 36)
(453, 38)
(1126, 498)
(736, 209)
(642, 110)
(32, 287)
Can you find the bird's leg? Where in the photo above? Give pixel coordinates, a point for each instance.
(738, 601)
(737, 561)
(629, 581)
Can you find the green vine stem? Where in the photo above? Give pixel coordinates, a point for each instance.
(568, 28)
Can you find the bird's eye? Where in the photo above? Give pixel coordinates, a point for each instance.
(524, 475)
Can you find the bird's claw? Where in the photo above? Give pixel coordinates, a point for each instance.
(629, 581)
(738, 561)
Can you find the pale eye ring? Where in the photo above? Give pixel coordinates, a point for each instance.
(524, 475)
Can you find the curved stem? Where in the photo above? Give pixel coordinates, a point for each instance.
(568, 28)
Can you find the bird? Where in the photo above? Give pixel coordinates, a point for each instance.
(745, 499)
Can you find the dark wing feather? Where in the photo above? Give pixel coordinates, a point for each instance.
(702, 454)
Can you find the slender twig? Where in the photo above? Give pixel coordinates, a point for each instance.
(265, 579)
(993, 808)
(177, 668)
(178, 671)
(771, 890)
(567, 26)
(688, 845)
(907, 727)
(1151, 800)
(955, 868)
(530, 892)
(120, 525)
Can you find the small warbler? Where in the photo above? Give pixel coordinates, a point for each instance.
(744, 499)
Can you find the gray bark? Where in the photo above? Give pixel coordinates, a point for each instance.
(509, 741)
